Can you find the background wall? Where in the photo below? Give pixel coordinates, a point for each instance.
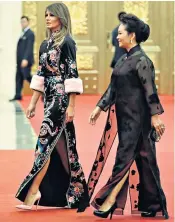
(162, 20)
(10, 13)
(93, 23)
(92, 27)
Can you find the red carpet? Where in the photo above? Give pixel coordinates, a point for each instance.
(14, 165)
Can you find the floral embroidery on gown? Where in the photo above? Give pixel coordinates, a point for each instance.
(57, 76)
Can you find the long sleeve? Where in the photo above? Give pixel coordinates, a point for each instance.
(106, 100)
(29, 47)
(73, 84)
(146, 73)
(37, 82)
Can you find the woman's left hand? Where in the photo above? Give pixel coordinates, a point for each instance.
(157, 123)
(70, 114)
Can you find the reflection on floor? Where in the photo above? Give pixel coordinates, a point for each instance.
(15, 129)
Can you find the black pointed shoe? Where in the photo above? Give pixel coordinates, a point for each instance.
(153, 214)
(148, 214)
(15, 98)
(105, 214)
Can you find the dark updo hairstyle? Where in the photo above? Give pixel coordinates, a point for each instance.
(136, 25)
(120, 14)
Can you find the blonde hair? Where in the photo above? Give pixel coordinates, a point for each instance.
(61, 11)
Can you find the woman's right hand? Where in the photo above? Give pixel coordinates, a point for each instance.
(94, 115)
(30, 112)
(157, 123)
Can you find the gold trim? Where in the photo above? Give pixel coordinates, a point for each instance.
(87, 49)
(78, 12)
(85, 61)
(138, 8)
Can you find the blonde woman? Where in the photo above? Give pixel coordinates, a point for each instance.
(57, 178)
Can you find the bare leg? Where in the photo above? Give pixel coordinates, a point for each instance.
(36, 183)
(61, 148)
(110, 200)
(62, 151)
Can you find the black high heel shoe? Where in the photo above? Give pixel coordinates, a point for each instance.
(153, 214)
(148, 214)
(105, 214)
(166, 216)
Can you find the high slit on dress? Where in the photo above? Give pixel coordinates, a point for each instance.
(64, 184)
(131, 99)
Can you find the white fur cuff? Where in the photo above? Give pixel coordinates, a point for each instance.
(37, 83)
(73, 85)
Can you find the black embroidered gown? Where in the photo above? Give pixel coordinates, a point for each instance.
(64, 183)
(131, 99)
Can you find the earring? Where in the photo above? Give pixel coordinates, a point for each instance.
(131, 41)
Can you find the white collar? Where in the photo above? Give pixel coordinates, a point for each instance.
(26, 29)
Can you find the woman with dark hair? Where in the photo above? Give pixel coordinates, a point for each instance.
(57, 178)
(133, 111)
(118, 50)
